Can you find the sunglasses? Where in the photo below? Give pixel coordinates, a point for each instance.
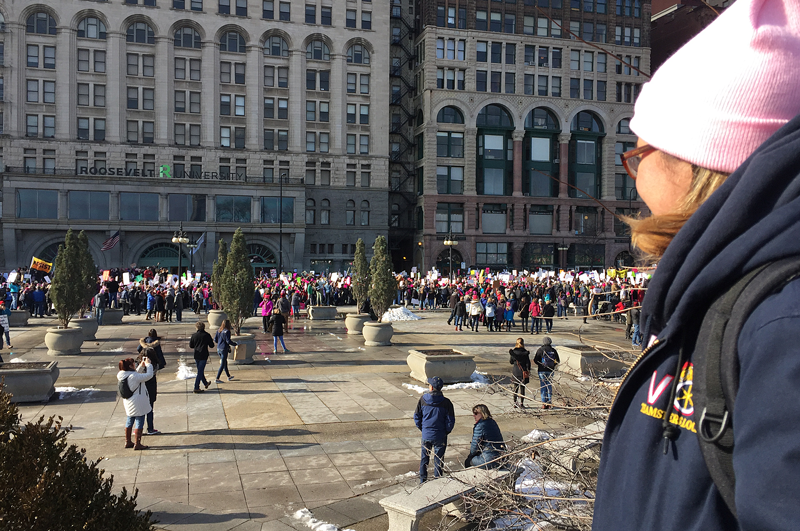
(632, 158)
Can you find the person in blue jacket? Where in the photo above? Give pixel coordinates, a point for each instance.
(720, 174)
(487, 440)
(224, 344)
(435, 418)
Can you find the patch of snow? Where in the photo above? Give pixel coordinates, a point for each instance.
(18, 360)
(531, 483)
(185, 372)
(585, 379)
(399, 314)
(116, 350)
(180, 349)
(307, 518)
(536, 436)
(479, 380)
(68, 392)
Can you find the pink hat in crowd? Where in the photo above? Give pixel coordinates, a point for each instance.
(727, 90)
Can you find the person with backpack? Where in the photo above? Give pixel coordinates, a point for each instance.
(134, 398)
(435, 417)
(546, 360)
(200, 342)
(704, 430)
(153, 342)
(520, 371)
(224, 344)
(548, 312)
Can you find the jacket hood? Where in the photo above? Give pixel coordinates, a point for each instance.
(433, 398)
(751, 220)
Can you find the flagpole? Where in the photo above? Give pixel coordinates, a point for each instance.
(121, 261)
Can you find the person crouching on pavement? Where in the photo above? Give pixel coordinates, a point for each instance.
(487, 440)
(435, 418)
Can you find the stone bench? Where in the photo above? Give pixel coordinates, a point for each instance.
(406, 508)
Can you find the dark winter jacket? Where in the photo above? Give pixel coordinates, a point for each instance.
(201, 341)
(548, 310)
(434, 416)
(751, 220)
(278, 321)
(461, 308)
(224, 342)
(487, 439)
(546, 358)
(520, 360)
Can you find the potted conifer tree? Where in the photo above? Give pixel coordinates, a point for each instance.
(86, 321)
(359, 285)
(215, 317)
(67, 291)
(382, 289)
(237, 287)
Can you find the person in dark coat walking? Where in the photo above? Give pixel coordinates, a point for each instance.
(453, 305)
(201, 341)
(548, 312)
(224, 344)
(461, 313)
(520, 370)
(546, 359)
(277, 322)
(435, 418)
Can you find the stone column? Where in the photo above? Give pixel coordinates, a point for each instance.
(113, 206)
(210, 95)
(164, 90)
(115, 121)
(563, 168)
(470, 159)
(254, 98)
(13, 115)
(163, 205)
(66, 79)
(338, 98)
(518, 137)
(297, 101)
(63, 205)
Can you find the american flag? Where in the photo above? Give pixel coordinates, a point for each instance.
(111, 242)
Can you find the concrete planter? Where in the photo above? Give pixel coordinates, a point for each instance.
(87, 325)
(354, 322)
(215, 318)
(243, 352)
(112, 316)
(377, 334)
(322, 313)
(63, 341)
(450, 365)
(31, 381)
(583, 360)
(18, 318)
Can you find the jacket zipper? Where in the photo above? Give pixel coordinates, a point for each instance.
(644, 353)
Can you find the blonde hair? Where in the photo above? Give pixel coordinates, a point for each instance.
(653, 234)
(520, 343)
(482, 410)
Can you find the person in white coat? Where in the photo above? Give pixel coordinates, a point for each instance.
(138, 405)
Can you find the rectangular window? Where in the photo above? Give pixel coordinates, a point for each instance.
(268, 9)
(574, 60)
(601, 91)
(180, 101)
(601, 33)
(33, 91)
(450, 179)
(528, 82)
(366, 20)
(496, 80)
(449, 218)
(83, 94)
(351, 83)
(83, 60)
(83, 129)
(351, 144)
(364, 115)
(493, 218)
(588, 31)
(180, 134)
(528, 25)
(510, 82)
(180, 68)
(574, 88)
(285, 11)
(311, 143)
(49, 56)
(37, 204)
(233, 209)
(325, 16)
(495, 21)
(148, 65)
(542, 58)
(542, 90)
(283, 77)
(556, 63)
(33, 56)
(283, 109)
(363, 142)
(269, 107)
(276, 210)
(588, 89)
(497, 52)
(311, 111)
(88, 205)
(133, 64)
(148, 132)
(283, 140)
(481, 53)
(239, 106)
(324, 113)
(555, 29)
(324, 143)
(491, 253)
(138, 206)
(148, 99)
(186, 207)
(364, 83)
(511, 54)
(481, 21)
(601, 62)
(311, 14)
(224, 72)
(99, 128)
(480, 80)
(541, 27)
(588, 61)
(225, 104)
(194, 69)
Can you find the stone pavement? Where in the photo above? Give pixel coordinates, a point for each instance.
(327, 426)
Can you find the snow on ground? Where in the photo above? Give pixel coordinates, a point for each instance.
(18, 360)
(399, 314)
(479, 380)
(116, 350)
(536, 436)
(185, 372)
(68, 392)
(307, 518)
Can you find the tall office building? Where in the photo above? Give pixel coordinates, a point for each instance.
(518, 125)
(140, 115)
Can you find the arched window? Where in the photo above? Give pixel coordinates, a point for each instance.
(358, 54)
(41, 23)
(364, 213)
(395, 219)
(318, 51)
(92, 28)
(310, 212)
(624, 127)
(494, 116)
(450, 115)
(588, 122)
(540, 164)
(187, 37)
(261, 257)
(351, 203)
(325, 212)
(350, 212)
(541, 118)
(140, 32)
(585, 155)
(232, 42)
(276, 46)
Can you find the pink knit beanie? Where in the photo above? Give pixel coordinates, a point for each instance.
(728, 89)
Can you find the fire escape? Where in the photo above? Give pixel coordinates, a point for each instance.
(402, 194)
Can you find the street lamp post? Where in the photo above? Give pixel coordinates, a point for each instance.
(562, 253)
(450, 242)
(280, 225)
(179, 237)
(191, 246)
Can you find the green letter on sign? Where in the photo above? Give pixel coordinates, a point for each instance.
(164, 172)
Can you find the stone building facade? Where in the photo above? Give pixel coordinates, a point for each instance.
(140, 115)
(519, 127)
